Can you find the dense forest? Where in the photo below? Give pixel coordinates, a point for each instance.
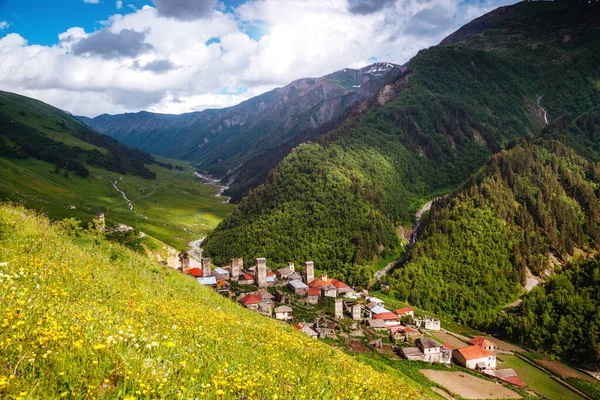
(21, 137)
(479, 244)
(562, 316)
(339, 199)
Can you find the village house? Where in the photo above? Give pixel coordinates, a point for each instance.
(475, 357)
(313, 295)
(283, 313)
(246, 279)
(390, 318)
(340, 288)
(328, 290)
(483, 342)
(403, 333)
(325, 328)
(507, 375)
(431, 324)
(284, 273)
(377, 324)
(221, 273)
(403, 312)
(372, 309)
(298, 287)
(306, 329)
(207, 281)
(251, 300)
(375, 300)
(427, 350)
(260, 300)
(294, 276)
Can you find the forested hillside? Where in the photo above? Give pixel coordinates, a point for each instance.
(479, 245)
(340, 199)
(29, 128)
(563, 316)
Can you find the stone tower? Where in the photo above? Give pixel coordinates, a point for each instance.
(235, 267)
(309, 271)
(356, 312)
(339, 309)
(261, 272)
(291, 266)
(184, 261)
(101, 224)
(206, 270)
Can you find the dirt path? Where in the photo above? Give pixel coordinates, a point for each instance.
(129, 202)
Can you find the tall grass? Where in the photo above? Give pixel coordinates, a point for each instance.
(85, 318)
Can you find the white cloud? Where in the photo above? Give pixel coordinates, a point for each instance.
(119, 4)
(177, 71)
(4, 25)
(91, 1)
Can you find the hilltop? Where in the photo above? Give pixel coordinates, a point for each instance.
(83, 317)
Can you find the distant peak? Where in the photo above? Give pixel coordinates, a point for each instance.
(378, 69)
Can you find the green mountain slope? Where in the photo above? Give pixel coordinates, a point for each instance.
(85, 318)
(242, 143)
(340, 200)
(479, 245)
(51, 162)
(562, 316)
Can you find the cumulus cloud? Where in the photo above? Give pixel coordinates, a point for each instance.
(159, 66)
(145, 61)
(369, 6)
(106, 44)
(119, 4)
(91, 1)
(185, 10)
(3, 25)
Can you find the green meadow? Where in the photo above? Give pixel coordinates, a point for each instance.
(175, 208)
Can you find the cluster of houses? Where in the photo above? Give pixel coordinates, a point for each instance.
(303, 285)
(479, 356)
(401, 323)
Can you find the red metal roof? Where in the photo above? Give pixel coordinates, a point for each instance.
(313, 291)
(195, 272)
(475, 352)
(251, 298)
(402, 311)
(323, 282)
(515, 380)
(386, 316)
(481, 342)
(448, 346)
(248, 277)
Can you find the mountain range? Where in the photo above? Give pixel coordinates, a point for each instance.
(242, 143)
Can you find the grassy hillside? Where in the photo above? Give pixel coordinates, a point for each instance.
(340, 200)
(479, 244)
(39, 142)
(84, 318)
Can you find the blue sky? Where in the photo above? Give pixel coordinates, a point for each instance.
(99, 56)
(40, 21)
